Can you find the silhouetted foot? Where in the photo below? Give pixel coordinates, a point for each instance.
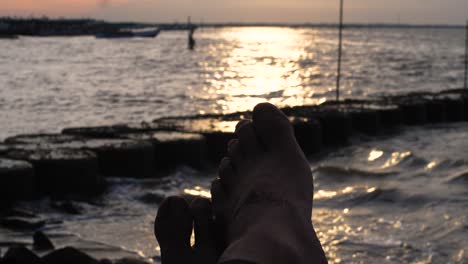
(265, 192)
(173, 229)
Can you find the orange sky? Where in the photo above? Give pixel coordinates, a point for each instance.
(55, 7)
(289, 11)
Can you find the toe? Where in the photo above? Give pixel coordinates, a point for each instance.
(234, 152)
(242, 123)
(248, 141)
(173, 228)
(226, 173)
(218, 198)
(219, 201)
(205, 241)
(272, 127)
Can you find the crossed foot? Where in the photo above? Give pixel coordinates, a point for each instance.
(262, 203)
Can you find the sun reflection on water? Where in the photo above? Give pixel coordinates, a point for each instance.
(263, 64)
(375, 155)
(198, 191)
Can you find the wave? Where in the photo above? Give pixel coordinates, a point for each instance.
(350, 172)
(354, 196)
(461, 177)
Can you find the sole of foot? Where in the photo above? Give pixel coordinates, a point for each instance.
(264, 194)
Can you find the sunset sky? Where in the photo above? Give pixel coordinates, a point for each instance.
(291, 11)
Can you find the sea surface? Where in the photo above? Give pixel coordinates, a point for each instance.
(47, 84)
(398, 198)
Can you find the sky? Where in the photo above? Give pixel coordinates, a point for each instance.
(247, 11)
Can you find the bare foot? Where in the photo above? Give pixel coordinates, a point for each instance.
(265, 194)
(173, 229)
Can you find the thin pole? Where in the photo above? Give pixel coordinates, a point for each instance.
(340, 51)
(466, 58)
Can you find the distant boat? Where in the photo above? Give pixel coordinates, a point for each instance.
(143, 33)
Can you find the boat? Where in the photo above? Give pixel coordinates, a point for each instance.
(142, 33)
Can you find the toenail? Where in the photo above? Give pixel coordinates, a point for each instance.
(163, 211)
(176, 207)
(232, 142)
(241, 124)
(225, 162)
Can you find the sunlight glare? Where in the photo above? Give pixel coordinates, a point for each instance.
(375, 155)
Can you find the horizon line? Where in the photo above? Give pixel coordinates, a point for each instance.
(278, 24)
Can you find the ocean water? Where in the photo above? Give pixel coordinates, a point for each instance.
(47, 84)
(400, 198)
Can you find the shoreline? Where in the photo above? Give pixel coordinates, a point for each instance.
(46, 27)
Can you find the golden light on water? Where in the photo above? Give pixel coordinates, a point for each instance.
(375, 155)
(396, 158)
(322, 194)
(198, 191)
(263, 65)
(431, 165)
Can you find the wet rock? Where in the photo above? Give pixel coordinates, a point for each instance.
(63, 171)
(152, 198)
(20, 223)
(18, 212)
(308, 111)
(4, 149)
(67, 207)
(390, 116)
(436, 111)
(116, 157)
(414, 113)
(198, 124)
(130, 261)
(68, 255)
(217, 131)
(41, 140)
(124, 158)
(465, 104)
(366, 121)
(308, 133)
(16, 180)
(20, 255)
(175, 148)
(101, 131)
(455, 109)
(41, 242)
(336, 127)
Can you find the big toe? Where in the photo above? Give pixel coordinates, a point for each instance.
(248, 140)
(272, 127)
(173, 229)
